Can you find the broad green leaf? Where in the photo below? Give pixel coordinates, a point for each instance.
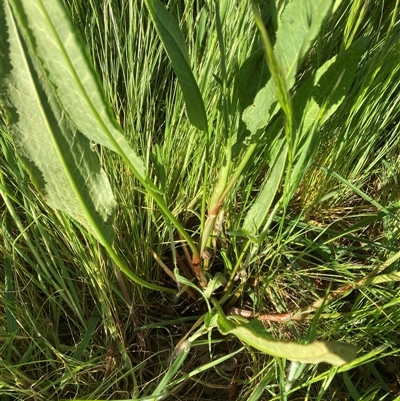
(325, 90)
(301, 21)
(260, 208)
(253, 75)
(278, 77)
(254, 334)
(174, 44)
(54, 40)
(332, 82)
(58, 157)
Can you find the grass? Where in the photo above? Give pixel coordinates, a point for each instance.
(68, 329)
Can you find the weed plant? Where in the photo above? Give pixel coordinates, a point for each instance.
(323, 264)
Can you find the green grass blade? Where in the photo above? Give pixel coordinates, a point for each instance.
(9, 296)
(11, 314)
(260, 388)
(171, 372)
(357, 191)
(92, 326)
(350, 387)
(174, 44)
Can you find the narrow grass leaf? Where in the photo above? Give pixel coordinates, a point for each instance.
(207, 366)
(303, 162)
(350, 387)
(185, 281)
(293, 374)
(301, 22)
(260, 387)
(11, 311)
(9, 295)
(371, 367)
(92, 326)
(384, 278)
(174, 44)
(171, 372)
(358, 191)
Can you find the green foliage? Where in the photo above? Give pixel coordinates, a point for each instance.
(184, 151)
(174, 44)
(254, 334)
(76, 77)
(57, 156)
(301, 22)
(77, 88)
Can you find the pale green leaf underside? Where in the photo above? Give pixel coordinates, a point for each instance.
(255, 335)
(301, 21)
(58, 157)
(56, 43)
(174, 44)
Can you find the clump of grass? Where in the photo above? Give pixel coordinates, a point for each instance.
(69, 330)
